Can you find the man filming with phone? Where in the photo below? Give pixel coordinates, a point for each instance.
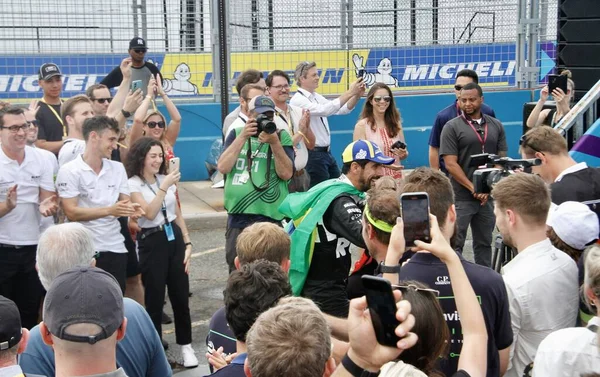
(258, 162)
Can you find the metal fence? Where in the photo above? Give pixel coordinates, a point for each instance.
(409, 44)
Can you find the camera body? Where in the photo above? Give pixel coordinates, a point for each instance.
(496, 169)
(398, 144)
(485, 179)
(265, 124)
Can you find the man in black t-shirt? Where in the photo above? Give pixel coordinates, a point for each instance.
(487, 284)
(51, 127)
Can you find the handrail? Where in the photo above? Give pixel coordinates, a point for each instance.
(575, 116)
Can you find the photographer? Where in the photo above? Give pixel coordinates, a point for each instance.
(258, 161)
(468, 134)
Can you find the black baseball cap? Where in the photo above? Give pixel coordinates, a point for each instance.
(48, 70)
(10, 324)
(138, 43)
(83, 295)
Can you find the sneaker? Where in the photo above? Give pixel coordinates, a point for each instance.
(189, 358)
(166, 319)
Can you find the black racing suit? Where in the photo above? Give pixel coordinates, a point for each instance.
(328, 274)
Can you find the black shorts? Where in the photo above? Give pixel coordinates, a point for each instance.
(133, 267)
(115, 264)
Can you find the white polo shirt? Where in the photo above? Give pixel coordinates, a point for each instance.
(239, 122)
(77, 180)
(137, 185)
(47, 221)
(569, 352)
(290, 122)
(21, 226)
(543, 294)
(70, 149)
(320, 108)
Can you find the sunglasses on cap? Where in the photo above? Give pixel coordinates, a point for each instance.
(103, 100)
(384, 98)
(160, 124)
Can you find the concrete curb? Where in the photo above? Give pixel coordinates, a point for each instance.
(203, 221)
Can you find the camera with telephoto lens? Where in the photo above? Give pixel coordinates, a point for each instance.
(484, 179)
(265, 124)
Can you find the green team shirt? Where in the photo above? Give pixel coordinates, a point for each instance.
(241, 197)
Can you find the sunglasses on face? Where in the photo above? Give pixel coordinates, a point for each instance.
(384, 98)
(140, 50)
(458, 87)
(103, 100)
(160, 124)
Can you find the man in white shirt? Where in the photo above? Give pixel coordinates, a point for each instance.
(249, 76)
(26, 191)
(297, 122)
(74, 112)
(541, 281)
(321, 164)
(94, 191)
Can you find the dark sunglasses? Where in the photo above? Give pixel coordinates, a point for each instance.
(524, 143)
(380, 98)
(458, 87)
(140, 50)
(160, 124)
(102, 100)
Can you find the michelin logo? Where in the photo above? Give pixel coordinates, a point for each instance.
(21, 83)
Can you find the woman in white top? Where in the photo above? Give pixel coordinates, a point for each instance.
(575, 351)
(164, 243)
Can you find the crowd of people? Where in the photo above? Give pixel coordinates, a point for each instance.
(102, 220)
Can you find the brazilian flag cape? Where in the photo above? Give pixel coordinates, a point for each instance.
(306, 209)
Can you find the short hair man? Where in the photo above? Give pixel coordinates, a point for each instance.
(473, 132)
(140, 354)
(250, 291)
(26, 192)
(257, 166)
(258, 241)
(249, 76)
(141, 69)
(541, 278)
(336, 213)
(94, 190)
(13, 338)
(74, 112)
(52, 128)
(463, 77)
(247, 93)
(487, 283)
(321, 165)
(83, 319)
(568, 180)
(100, 96)
(297, 122)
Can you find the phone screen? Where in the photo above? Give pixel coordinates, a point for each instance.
(415, 214)
(382, 308)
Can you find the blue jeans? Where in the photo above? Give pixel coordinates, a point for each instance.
(482, 221)
(321, 166)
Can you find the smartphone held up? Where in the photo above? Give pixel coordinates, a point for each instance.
(382, 309)
(415, 215)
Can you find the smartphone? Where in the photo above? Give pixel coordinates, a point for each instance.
(399, 144)
(174, 164)
(415, 214)
(382, 308)
(135, 85)
(557, 81)
(361, 73)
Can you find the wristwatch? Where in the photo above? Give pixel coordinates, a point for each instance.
(355, 370)
(126, 114)
(389, 269)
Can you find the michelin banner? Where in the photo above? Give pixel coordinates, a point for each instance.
(190, 75)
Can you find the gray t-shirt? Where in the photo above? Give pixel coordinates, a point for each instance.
(459, 139)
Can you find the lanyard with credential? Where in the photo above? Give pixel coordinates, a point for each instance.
(168, 227)
(478, 131)
(290, 124)
(56, 115)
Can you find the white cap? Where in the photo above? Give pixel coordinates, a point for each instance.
(574, 223)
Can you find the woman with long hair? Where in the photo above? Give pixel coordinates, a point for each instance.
(550, 117)
(164, 242)
(380, 123)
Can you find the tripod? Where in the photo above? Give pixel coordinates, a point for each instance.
(502, 254)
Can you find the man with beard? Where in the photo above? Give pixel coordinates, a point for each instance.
(429, 269)
(327, 220)
(468, 134)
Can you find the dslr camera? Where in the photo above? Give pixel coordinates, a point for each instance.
(484, 179)
(265, 124)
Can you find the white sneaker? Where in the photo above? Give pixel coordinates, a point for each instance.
(189, 358)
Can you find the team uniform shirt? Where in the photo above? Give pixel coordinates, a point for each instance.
(77, 180)
(461, 140)
(47, 221)
(237, 123)
(290, 121)
(491, 293)
(569, 352)
(50, 126)
(320, 108)
(543, 293)
(143, 74)
(443, 117)
(21, 226)
(577, 183)
(327, 277)
(244, 203)
(136, 184)
(70, 150)
(220, 334)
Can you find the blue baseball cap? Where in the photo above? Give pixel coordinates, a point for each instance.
(365, 150)
(261, 104)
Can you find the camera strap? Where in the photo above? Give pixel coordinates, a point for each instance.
(478, 131)
(250, 157)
